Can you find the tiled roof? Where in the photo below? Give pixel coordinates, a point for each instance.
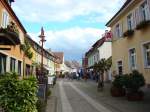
(96, 45)
(60, 55)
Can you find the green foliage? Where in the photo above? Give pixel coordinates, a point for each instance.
(135, 81)
(26, 48)
(109, 63)
(18, 95)
(12, 27)
(103, 65)
(119, 81)
(132, 81)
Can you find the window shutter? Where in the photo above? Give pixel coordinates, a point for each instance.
(148, 9)
(140, 16)
(2, 24)
(137, 19)
(134, 19)
(5, 19)
(114, 34)
(121, 29)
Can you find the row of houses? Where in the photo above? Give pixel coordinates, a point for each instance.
(130, 28)
(12, 36)
(101, 49)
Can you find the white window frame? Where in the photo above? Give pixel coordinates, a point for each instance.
(146, 8)
(118, 66)
(5, 19)
(130, 62)
(130, 20)
(118, 30)
(144, 54)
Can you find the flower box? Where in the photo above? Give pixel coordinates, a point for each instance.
(128, 33)
(143, 25)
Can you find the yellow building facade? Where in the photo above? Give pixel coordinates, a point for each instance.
(48, 57)
(131, 38)
(12, 60)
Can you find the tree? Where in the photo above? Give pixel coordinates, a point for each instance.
(27, 52)
(102, 66)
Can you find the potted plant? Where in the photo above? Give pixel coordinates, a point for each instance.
(143, 25)
(133, 85)
(128, 33)
(117, 89)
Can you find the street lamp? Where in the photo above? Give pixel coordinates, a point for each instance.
(42, 39)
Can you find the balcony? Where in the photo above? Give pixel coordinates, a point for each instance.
(9, 35)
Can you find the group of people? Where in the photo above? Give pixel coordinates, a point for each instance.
(93, 75)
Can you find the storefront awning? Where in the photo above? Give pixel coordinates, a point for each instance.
(47, 68)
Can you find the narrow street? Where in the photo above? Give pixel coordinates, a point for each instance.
(81, 96)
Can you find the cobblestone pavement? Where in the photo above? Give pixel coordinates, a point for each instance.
(81, 96)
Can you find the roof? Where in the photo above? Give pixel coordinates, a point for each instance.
(33, 42)
(4, 2)
(123, 7)
(96, 45)
(60, 55)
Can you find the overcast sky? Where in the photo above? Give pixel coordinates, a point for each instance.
(71, 26)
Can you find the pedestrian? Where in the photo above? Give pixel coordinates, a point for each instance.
(77, 75)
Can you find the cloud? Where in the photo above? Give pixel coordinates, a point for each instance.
(66, 10)
(73, 41)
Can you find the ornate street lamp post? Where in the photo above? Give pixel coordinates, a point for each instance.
(42, 39)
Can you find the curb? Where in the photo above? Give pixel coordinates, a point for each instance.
(51, 104)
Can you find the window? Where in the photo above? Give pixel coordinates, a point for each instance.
(2, 63)
(132, 58)
(5, 19)
(147, 54)
(19, 67)
(12, 64)
(144, 11)
(97, 57)
(129, 22)
(27, 70)
(94, 59)
(120, 67)
(118, 31)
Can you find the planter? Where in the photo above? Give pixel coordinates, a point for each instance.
(8, 37)
(135, 96)
(117, 92)
(128, 33)
(143, 25)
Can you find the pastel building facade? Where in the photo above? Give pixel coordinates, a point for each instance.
(131, 38)
(11, 57)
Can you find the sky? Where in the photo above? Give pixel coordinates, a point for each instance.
(71, 26)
